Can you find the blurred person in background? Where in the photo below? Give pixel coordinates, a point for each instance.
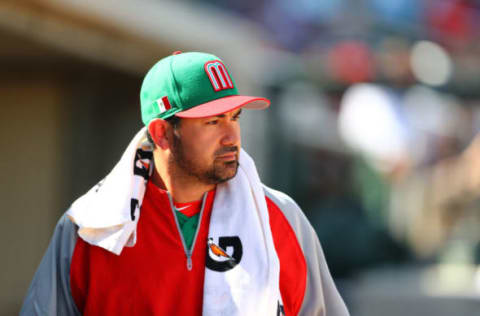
(183, 225)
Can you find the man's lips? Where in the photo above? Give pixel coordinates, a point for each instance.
(228, 156)
(227, 153)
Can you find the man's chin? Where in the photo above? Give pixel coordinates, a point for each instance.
(227, 172)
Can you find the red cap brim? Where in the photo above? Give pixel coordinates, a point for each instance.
(223, 105)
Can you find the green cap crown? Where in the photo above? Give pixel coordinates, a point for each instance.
(182, 81)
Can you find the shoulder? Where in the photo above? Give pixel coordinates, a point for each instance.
(279, 196)
(290, 209)
(49, 291)
(66, 233)
(320, 292)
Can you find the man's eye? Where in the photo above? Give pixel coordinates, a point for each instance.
(236, 117)
(214, 122)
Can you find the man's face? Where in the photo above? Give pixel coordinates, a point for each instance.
(207, 149)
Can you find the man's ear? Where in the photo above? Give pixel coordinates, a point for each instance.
(158, 129)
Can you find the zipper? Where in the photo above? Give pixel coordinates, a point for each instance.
(188, 252)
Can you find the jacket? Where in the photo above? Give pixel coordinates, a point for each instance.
(151, 278)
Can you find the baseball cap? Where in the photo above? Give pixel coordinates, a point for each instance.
(191, 85)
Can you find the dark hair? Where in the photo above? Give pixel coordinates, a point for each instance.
(174, 121)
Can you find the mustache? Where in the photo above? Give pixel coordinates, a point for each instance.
(226, 150)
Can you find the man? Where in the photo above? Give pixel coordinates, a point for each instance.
(182, 225)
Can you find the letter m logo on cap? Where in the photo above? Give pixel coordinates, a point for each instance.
(218, 75)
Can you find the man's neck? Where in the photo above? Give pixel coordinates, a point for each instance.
(181, 189)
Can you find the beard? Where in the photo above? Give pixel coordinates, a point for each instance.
(181, 164)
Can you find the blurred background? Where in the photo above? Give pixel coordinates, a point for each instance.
(373, 127)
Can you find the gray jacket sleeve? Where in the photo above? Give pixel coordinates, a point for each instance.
(49, 293)
(321, 295)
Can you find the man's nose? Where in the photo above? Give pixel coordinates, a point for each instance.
(231, 136)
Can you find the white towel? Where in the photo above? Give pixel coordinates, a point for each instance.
(251, 287)
(108, 213)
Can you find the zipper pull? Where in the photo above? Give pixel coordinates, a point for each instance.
(189, 263)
